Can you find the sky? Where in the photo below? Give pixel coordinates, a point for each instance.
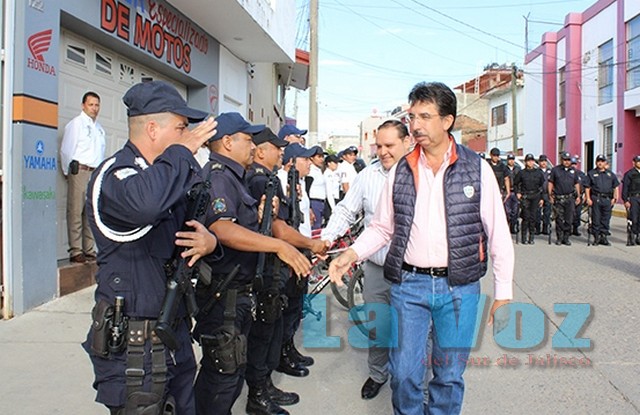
(371, 53)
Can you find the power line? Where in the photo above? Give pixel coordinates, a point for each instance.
(475, 6)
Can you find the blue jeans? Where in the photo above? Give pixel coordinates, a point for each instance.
(421, 300)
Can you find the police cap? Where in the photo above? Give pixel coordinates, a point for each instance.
(543, 157)
(154, 97)
(510, 156)
(230, 123)
(601, 157)
(529, 157)
(565, 156)
(636, 158)
(289, 129)
(294, 150)
(495, 151)
(267, 135)
(350, 150)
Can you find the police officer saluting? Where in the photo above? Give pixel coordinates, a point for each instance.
(631, 198)
(226, 305)
(136, 203)
(601, 189)
(564, 195)
(529, 185)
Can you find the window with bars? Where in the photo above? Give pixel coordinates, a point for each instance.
(633, 53)
(77, 54)
(499, 115)
(605, 72)
(103, 63)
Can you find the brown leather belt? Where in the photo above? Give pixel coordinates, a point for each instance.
(433, 271)
(85, 167)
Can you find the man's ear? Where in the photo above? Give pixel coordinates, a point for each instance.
(151, 128)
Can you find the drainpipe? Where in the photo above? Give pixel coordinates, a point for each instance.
(7, 153)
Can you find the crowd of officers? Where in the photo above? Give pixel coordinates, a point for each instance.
(250, 250)
(539, 194)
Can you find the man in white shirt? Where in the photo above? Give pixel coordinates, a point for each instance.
(82, 150)
(318, 188)
(333, 184)
(346, 170)
(392, 143)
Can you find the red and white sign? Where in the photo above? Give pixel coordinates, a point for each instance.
(38, 44)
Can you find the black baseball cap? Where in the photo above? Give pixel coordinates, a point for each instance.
(543, 157)
(154, 97)
(230, 123)
(350, 149)
(565, 156)
(529, 157)
(296, 150)
(289, 129)
(511, 157)
(267, 135)
(601, 157)
(637, 158)
(332, 158)
(495, 151)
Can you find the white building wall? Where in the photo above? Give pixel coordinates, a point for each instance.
(561, 62)
(501, 136)
(532, 120)
(276, 18)
(233, 83)
(631, 96)
(595, 32)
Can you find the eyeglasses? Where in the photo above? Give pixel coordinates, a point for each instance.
(424, 117)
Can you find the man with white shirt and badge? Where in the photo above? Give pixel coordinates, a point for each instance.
(82, 150)
(392, 143)
(346, 171)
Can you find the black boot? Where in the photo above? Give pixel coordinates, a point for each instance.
(560, 238)
(637, 238)
(565, 240)
(531, 237)
(288, 365)
(259, 403)
(604, 241)
(523, 237)
(299, 357)
(576, 231)
(545, 229)
(279, 396)
(596, 239)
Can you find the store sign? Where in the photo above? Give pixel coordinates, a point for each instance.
(39, 44)
(156, 29)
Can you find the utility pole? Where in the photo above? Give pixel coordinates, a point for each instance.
(313, 72)
(514, 112)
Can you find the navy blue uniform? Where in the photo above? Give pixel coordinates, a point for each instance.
(511, 204)
(543, 222)
(582, 180)
(265, 338)
(134, 210)
(564, 180)
(230, 200)
(601, 184)
(529, 185)
(631, 194)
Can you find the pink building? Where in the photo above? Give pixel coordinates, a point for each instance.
(583, 89)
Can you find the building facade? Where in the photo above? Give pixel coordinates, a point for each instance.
(583, 94)
(225, 55)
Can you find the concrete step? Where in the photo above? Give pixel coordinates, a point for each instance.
(73, 277)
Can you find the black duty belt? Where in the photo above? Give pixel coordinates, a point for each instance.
(565, 196)
(433, 271)
(634, 195)
(317, 200)
(603, 195)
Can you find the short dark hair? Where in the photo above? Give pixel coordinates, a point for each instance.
(436, 93)
(398, 125)
(90, 94)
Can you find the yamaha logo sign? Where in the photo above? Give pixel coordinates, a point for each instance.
(39, 43)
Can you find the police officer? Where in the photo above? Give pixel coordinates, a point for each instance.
(511, 203)
(136, 203)
(226, 305)
(265, 336)
(529, 185)
(501, 172)
(564, 194)
(543, 222)
(582, 180)
(631, 197)
(601, 189)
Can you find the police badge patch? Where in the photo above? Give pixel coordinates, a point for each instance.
(468, 191)
(219, 205)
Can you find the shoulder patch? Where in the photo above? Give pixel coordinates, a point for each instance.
(217, 166)
(124, 173)
(260, 170)
(142, 163)
(219, 205)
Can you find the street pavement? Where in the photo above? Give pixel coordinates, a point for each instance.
(45, 371)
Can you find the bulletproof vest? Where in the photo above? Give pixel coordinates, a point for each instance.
(498, 170)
